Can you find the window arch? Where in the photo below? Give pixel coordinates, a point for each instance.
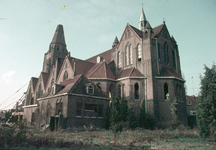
(131, 54)
(40, 92)
(65, 75)
(158, 51)
(126, 56)
(139, 53)
(119, 59)
(136, 91)
(166, 53)
(166, 92)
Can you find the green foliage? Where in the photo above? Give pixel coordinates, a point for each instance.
(108, 118)
(174, 111)
(123, 109)
(206, 106)
(142, 115)
(131, 117)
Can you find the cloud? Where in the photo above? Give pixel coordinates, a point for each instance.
(7, 76)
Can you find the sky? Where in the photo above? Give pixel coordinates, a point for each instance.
(90, 26)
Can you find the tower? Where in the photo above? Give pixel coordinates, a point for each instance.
(57, 50)
(143, 21)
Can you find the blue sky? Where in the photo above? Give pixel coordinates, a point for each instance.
(90, 26)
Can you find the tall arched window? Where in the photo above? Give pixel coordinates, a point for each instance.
(166, 92)
(65, 75)
(126, 56)
(40, 92)
(131, 54)
(139, 53)
(119, 59)
(158, 52)
(110, 91)
(136, 91)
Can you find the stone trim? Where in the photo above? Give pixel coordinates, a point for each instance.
(102, 79)
(158, 77)
(29, 106)
(131, 78)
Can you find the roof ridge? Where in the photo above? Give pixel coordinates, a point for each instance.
(96, 68)
(131, 71)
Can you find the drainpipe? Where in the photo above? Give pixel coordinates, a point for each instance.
(157, 57)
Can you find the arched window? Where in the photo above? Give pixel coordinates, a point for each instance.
(158, 52)
(126, 56)
(174, 60)
(166, 92)
(65, 75)
(40, 92)
(119, 59)
(131, 54)
(90, 89)
(110, 91)
(136, 91)
(32, 101)
(139, 53)
(119, 90)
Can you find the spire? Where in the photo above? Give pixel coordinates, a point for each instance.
(58, 37)
(115, 43)
(143, 21)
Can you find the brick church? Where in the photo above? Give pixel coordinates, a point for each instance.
(144, 64)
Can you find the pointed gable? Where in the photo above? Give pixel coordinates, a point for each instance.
(131, 72)
(100, 70)
(138, 32)
(157, 30)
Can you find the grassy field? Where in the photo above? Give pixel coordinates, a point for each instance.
(181, 138)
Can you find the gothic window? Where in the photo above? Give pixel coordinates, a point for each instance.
(32, 101)
(130, 53)
(136, 91)
(139, 53)
(119, 90)
(100, 109)
(119, 59)
(166, 92)
(40, 92)
(65, 75)
(79, 108)
(158, 52)
(110, 91)
(174, 60)
(126, 56)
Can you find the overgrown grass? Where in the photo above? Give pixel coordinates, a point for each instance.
(180, 138)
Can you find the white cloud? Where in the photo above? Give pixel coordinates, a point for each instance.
(7, 76)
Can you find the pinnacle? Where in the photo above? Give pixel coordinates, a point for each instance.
(58, 37)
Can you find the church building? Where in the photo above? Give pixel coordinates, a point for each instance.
(143, 65)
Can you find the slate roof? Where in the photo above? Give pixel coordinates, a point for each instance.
(105, 55)
(169, 72)
(131, 72)
(100, 70)
(137, 31)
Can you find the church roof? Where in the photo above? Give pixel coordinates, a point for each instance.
(58, 37)
(157, 29)
(81, 66)
(100, 70)
(169, 72)
(137, 31)
(131, 72)
(105, 55)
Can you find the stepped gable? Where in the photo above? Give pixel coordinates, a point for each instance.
(34, 82)
(105, 56)
(100, 70)
(131, 72)
(81, 66)
(170, 73)
(157, 30)
(69, 84)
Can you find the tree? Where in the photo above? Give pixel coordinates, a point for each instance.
(174, 111)
(142, 115)
(206, 105)
(131, 117)
(123, 110)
